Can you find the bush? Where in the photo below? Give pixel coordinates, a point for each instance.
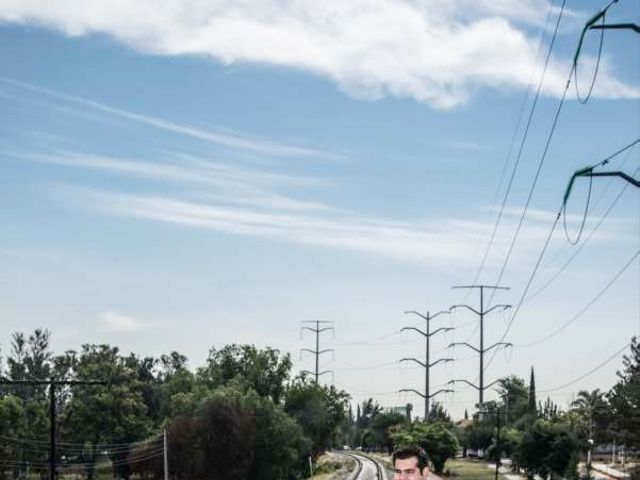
(437, 440)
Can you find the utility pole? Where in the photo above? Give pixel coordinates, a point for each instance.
(481, 350)
(165, 455)
(427, 334)
(52, 383)
(317, 352)
(498, 445)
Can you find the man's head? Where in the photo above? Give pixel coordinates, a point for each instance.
(410, 463)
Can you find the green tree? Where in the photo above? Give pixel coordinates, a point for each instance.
(381, 425)
(532, 394)
(624, 399)
(593, 413)
(13, 426)
(548, 449)
(265, 371)
(436, 438)
(319, 409)
(438, 413)
(30, 359)
(515, 400)
(236, 434)
(109, 414)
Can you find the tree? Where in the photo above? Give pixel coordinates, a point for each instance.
(532, 394)
(439, 414)
(236, 434)
(624, 399)
(549, 410)
(479, 435)
(265, 371)
(437, 440)
(13, 426)
(370, 409)
(176, 380)
(593, 413)
(515, 398)
(113, 414)
(381, 425)
(319, 409)
(215, 441)
(548, 448)
(30, 359)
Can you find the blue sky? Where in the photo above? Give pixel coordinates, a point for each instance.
(181, 177)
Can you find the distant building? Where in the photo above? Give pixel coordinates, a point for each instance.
(402, 410)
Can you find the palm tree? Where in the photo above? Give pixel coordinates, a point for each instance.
(591, 407)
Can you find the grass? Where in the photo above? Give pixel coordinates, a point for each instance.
(332, 467)
(464, 469)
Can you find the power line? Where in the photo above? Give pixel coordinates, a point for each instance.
(548, 141)
(586, 307)
(52, 383)
(521, 148)
(595, 73)
(582, 245)
(585, 375)
(538, 262)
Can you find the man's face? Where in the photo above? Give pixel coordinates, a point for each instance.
(407, 469)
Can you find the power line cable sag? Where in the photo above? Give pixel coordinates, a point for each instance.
(521, 148)
(510, 149)
(586, 307)
(595, 73)
(586, 208)
(540, 257)
(585, 375)
(543, 157)
(582, 245)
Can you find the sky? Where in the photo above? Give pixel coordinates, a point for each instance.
(186, 175)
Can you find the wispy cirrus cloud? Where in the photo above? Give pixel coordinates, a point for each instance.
(217, 137)
(443, 242)
(117, 322)
(434, 51)
(225, 182)
(230, 199)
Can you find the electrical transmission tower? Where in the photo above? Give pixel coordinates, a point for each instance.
(427, 334)
(317, 352)
(481, 350)
(52, 383)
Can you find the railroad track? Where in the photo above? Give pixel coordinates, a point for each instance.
(366, 468)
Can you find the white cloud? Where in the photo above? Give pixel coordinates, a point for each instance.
(227, 139)
(232, 184)
(434, 51)
(117, 322)
(440, 242)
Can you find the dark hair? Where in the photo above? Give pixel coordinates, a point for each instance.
(411, 451)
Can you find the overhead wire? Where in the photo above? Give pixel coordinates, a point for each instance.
(540, 257)
(575, 241)
(543, 156)
(582, 245)
(522, 142)
(586, 307)
(591, 371)
(595, 73)
(520, 150)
